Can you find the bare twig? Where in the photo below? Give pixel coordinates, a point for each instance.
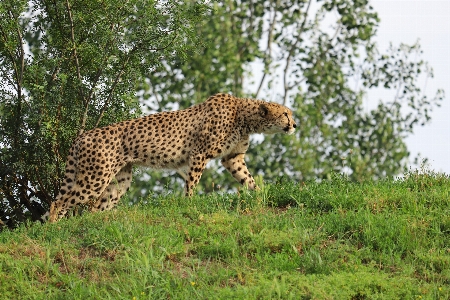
(156, 96)
(291, 52)
(268, 56)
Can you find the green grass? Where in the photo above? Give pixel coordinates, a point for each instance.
(330, 240)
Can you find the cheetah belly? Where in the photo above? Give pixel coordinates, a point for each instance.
(162, 155)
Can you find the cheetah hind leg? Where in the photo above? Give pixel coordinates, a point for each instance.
(80, 193)
(60, 207)
(76, 196)
(197, 164)
(117, 187)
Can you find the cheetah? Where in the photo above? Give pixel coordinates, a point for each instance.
(99, 165)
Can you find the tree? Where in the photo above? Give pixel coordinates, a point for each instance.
(326, 73)
(319, 58)
(69, 66)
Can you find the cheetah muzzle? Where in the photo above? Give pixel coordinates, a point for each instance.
(99, 165)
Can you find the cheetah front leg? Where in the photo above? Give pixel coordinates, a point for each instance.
(235, 164)
(84, 190)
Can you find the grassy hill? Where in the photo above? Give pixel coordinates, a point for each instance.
(330, 240)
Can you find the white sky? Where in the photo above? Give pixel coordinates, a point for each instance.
(429, 21)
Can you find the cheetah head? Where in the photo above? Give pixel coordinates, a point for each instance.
(276, 118)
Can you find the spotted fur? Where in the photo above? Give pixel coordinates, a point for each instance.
(99, 165)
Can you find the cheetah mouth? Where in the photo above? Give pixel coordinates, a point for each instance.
(288, 130)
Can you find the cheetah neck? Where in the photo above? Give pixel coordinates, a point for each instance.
(248, 115)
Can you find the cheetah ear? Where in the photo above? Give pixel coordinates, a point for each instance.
(263, 110)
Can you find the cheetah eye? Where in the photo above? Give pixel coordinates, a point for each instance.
(285, 113)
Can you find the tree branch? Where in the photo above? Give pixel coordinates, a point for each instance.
(22, 64)
(74, 45)
(18, 70)
(116, 81)
(78, 69)
(139, 45)
(45, 194)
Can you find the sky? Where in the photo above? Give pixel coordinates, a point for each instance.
(429, 21)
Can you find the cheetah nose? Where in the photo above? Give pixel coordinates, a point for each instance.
(295, 125)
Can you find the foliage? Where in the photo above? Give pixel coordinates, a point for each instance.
(321, 59)
(69, 66)
(337, 239)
